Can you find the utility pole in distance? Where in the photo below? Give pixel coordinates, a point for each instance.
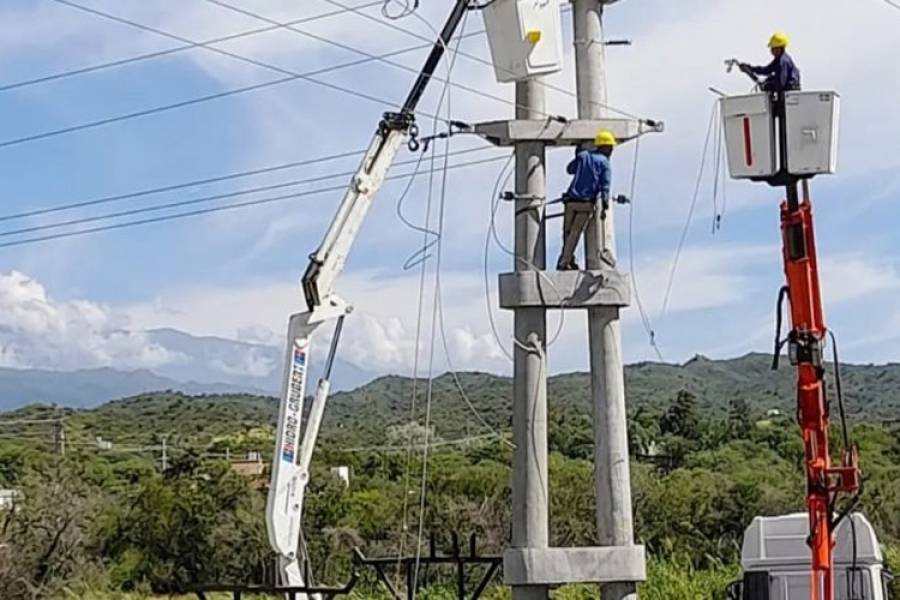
(59, 437)
(615, 523)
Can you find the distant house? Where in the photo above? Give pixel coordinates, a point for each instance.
(9, 499)
(251, 466)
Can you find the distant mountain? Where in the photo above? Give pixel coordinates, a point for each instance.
(92, 387)
(367, 414)
(205, 365)
(243, 364)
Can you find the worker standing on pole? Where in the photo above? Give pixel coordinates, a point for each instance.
(592, 177)
(782, 75)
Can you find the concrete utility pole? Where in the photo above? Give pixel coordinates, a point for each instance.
(530, 493)
(530, 565)
(615, 524)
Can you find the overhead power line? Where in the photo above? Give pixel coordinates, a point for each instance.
(174, 50)
(252, 61)
(215, 209)
(307, 75)
(179, 186)
(356, 50)
(472, 57)
(202, 199)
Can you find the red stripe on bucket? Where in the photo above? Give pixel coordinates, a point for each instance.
(748, 143)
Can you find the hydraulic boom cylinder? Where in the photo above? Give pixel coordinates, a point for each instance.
(805, 349)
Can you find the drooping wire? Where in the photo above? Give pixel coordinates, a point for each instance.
(502, 179)
(407, 7)
(423, 487)
(645, 318)
(426, 233)
(690, 215)
(717, 170)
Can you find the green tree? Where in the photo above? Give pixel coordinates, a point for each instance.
(681, 417)
(740, 420)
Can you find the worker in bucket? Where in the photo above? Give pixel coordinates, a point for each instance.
(591, 179)
(782, 75)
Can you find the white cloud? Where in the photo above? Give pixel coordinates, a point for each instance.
(380, 335)
(851, 277)
(38, 331)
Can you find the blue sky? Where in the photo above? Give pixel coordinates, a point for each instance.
(234, 274)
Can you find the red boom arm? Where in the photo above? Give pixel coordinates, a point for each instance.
(806, 341)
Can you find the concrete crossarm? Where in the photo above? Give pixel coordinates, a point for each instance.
(556, 566)
(606, 288)
(556, 133)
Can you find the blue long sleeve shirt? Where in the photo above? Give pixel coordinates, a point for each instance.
(781, 74)
(592, 176)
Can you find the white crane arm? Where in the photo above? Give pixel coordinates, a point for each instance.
(293, 451)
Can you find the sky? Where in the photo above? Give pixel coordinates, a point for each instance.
(83, 301)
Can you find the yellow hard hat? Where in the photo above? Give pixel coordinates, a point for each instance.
(605, 138)
(779, 40)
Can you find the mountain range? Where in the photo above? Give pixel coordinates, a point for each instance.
(204, 365)
(471, 404)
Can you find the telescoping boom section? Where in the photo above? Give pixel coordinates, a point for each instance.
(784, 138)
(298, 425)
(806, 341)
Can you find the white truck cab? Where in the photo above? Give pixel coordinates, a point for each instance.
(776, 560)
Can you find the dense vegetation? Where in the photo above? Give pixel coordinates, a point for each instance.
(707, 460)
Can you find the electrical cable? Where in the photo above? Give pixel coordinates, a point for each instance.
(429, 393)
(426, 232)
(216, 96)
(502, 178)
(353, 49)
(194, 201)
(179, 186)
(438, 444)
(291, 75)
(893, 4)
(169, 51)
(520, 261)
(645, 318)
(32, 421)
(408, 8)
(206, 211)
(690, 215)
(717, 170)
(478, 59)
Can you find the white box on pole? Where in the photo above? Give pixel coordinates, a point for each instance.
(525, 38)
(749, 136)
(812, 132)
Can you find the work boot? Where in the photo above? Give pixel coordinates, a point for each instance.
(607, 257)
